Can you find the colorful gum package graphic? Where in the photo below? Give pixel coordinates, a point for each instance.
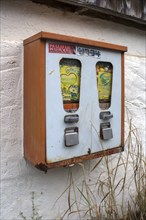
(104, 81)
(70, 83)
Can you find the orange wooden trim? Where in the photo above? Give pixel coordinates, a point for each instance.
(59, 37)
(33, 38)
(122, 99)
(34, 102)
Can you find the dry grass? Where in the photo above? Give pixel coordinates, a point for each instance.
(118, 190)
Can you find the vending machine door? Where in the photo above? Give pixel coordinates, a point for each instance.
(83, 100)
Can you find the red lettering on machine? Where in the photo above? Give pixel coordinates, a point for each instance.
(61, 48)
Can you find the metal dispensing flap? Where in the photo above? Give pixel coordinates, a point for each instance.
(106, 131)
(71, 136)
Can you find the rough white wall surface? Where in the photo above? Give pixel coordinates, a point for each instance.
(19, 20)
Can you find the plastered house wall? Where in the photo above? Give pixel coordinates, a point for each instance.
(19, 20)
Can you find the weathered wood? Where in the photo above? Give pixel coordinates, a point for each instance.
(128, 7)
(128, 12)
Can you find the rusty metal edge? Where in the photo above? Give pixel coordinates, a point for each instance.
(66, 163)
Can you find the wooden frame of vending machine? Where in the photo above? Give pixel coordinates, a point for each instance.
(35, 103)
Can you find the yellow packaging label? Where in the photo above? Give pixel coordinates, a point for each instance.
(70, 82)
(104, 85)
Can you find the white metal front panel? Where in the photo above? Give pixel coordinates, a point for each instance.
(89, 122)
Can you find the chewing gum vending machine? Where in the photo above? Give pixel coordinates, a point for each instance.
(73, 99)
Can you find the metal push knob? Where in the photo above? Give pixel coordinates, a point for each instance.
(105, 115)
(71, 118)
